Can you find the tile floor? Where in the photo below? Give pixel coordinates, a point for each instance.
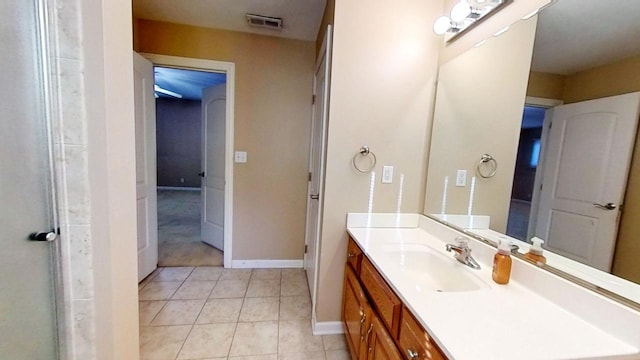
(242, 314)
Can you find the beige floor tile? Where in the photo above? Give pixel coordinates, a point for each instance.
(148, 279)
(208, 341)
(148, 310)
(194, 290)
(179, 273)
(260, 309)
(220, 311)
(179, 312)
(206, 273)
(236, 274)
(229, 289)
(293, 273)
(266, 274)
(338, 355)
(255, 357)
(294, 286)
(263, 288)
(162, 342)
(316, 355)
(255, 338)
(296, 337)
(159, 290)
(295, 307)
(334, 342)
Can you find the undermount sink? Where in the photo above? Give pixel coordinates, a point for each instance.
(432, 271)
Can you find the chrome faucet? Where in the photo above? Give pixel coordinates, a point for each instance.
(463, 252)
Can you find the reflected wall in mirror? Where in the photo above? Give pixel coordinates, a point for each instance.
(585, 51)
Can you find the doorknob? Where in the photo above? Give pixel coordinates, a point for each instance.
(314, 196)
(608, 206)
(43, 236)
(201, 174)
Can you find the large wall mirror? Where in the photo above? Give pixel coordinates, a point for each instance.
(554, 102)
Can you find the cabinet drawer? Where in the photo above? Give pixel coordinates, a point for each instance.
(354, 255)
(381, 296)
(414, 342)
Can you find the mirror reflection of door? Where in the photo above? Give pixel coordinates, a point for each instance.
(585, 175)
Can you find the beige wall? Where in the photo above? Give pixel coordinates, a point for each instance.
(545, 85)
(272, 117)
(480, 112)
(617, 78)
(382, 89)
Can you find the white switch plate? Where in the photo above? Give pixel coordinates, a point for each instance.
(461, 178)
(241, 156)
(387, 174)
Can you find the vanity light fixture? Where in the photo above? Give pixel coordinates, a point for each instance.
(466, 13)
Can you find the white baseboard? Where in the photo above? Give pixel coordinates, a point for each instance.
(262, 264)
(327, 328)
(178, 188)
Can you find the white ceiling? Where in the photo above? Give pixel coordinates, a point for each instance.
(301, 17)
(576, 35)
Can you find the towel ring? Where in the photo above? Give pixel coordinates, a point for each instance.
(487, 160)
(364, 152)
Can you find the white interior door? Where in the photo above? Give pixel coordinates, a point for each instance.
(146, 192)
(316, 163)
(213, 164)
(585, 168)
(27, 291)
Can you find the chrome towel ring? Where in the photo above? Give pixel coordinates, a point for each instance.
(487, 166)
(364, 152)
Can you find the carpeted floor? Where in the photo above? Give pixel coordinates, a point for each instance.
(179, 231)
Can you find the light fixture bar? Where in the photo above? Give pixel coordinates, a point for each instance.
(157, 88)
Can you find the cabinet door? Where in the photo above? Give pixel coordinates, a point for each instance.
(380, 343)
(355, 314)
(354, 255)
(414, 342)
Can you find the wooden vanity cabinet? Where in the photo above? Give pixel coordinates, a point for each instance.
(376, 323)
(366, 335)
(354, 256)
(414, 341)
(356, 314)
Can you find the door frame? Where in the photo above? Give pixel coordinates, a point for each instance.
(324, 54)
(229, 69)
(547, 104)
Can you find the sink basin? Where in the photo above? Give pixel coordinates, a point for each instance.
(432, 270)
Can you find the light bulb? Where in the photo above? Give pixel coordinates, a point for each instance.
(441, 25)
(460, 11)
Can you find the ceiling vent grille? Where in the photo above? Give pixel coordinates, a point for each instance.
(264, 21)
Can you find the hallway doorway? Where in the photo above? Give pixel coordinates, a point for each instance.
(181, 136)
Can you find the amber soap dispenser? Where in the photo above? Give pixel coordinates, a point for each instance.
(502, 262)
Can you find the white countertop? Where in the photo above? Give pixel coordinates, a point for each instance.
(499, 322)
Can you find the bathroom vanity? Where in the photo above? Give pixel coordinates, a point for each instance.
(405, 297)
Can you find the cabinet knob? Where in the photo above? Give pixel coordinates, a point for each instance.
(412, 354)
(350, 255)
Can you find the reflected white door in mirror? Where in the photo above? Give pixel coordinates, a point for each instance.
(586, 162)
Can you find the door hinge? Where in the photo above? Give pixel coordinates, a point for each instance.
(313, 99)
(306, 248)
(309, 176)
(550, 124)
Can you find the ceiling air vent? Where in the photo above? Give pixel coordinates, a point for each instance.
(264, 21)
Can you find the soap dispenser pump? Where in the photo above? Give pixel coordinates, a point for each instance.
(535, 252)
(502, 262)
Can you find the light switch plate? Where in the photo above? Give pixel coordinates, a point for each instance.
(387, 174)
(241, 156)
(461, 178)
